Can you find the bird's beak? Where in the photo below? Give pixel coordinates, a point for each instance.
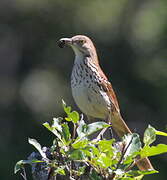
(64, 42)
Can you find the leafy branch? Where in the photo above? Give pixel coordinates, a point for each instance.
(75, 155)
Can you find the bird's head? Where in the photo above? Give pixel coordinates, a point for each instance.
(82, 45)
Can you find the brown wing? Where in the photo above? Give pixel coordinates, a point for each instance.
(107, 87)
(118, 123)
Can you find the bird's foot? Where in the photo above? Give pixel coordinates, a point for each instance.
(100, 135)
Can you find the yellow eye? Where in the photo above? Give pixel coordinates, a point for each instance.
(82, 41)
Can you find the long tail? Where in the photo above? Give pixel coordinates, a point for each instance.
(121, 129)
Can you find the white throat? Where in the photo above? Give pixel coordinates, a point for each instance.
(78, 54)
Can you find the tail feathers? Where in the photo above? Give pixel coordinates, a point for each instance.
(119, 125)
(121, 128)
(144, 164)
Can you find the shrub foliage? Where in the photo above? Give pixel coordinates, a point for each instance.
(75, 155)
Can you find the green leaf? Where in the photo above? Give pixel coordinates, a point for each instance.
(161, 133)
(105, 145)
(47, 125)
(20, 164)
(66, 108)
(81, 143)
(81, 170)
(85, 130)
(66, 133)
(60, 170)
(119, 173)
(138, 177)
(56, 124)
(74, 116)
(91, 151)
(35, 143)
(71, 116)
(77, 154)
(135, 173)
(149, 135)
(95, 176)
(68, 119)
(82, 128)
(133, 178)
(56, 133)
(133, 144)
(131, 175)
(149, 172)
(96, 126)
(53, 130)
(104, 161)
(153, 150)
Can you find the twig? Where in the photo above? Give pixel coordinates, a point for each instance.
(74, 131)
(100, 135)
(59, 155)
(130, 166)
(24, 174)
(124, 150)
(123, 153)
(51, 173)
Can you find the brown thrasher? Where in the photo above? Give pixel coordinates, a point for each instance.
(92, 91)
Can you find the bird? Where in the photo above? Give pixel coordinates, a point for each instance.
(92, 91)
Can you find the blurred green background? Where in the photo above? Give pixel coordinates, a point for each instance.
(131, 40)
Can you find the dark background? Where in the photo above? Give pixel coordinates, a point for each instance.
(131, 40)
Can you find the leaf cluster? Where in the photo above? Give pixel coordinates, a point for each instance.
(75, 155)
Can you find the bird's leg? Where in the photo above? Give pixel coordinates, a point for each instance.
(110, 131)
(100, 136)
(109, 122)
(95, 136)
